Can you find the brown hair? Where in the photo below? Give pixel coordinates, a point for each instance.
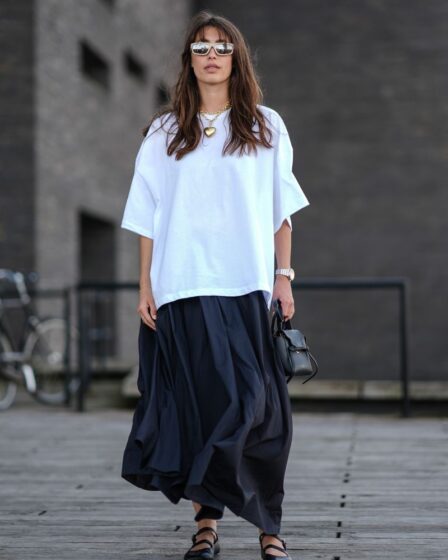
(244, 94)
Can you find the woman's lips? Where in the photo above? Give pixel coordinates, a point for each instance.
(212, 68)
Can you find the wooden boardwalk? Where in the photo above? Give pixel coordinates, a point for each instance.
(358, 487)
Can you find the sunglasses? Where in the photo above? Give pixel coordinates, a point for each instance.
(202, 49)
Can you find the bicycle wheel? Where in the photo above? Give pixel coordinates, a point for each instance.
(8, 388)
(45, 352)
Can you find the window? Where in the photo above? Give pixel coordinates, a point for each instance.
(135, 67)
(94, 65)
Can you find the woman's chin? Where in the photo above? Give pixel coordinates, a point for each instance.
(213, 79)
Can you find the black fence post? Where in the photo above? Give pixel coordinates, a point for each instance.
(82, 351)
(67, 353)
(404, 348)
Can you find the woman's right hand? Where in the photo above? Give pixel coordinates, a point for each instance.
(147, 308)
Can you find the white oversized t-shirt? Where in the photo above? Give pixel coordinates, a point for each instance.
(212, 218)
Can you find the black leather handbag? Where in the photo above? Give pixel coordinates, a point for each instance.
(291, 347)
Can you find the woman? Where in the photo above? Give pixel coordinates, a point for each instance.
(211, 198)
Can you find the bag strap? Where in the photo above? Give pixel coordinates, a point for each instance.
(278, 318)
(315, 367)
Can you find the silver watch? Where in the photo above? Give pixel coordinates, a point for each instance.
(289, 272)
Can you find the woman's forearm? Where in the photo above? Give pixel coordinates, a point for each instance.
(146, 245)
(282, 241)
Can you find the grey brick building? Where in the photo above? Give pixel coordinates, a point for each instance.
(362, 87)
(80, 79)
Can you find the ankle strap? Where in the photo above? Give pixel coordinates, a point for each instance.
(204, 529)
(263, 534)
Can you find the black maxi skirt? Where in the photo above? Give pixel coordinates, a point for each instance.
(213, 423)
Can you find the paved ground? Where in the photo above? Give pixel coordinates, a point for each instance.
(358, 487)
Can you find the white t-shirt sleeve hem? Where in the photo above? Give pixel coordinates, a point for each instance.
(287, 211)
(137, 229)
(141, 204)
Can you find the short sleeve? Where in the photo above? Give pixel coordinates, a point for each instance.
(141, 202)
(288, 194)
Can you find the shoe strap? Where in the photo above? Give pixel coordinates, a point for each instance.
(201, 541)
(276, 547)
(205, 529)
(262, 535)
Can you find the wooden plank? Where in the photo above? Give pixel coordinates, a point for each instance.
(357, 487)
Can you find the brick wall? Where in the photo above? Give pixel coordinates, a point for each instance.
(87, 135)
(362, 90)
(17, 136)
(362, 87)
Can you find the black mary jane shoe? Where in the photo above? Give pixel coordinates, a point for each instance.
(265, 555)
(206, 552)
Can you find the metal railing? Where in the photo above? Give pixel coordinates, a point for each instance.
(398, 284)
(85, 341)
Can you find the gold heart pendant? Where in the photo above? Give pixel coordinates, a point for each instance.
(210, 130)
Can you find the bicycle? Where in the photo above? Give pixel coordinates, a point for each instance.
(39, 360)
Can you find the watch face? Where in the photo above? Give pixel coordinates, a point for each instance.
(292, 273)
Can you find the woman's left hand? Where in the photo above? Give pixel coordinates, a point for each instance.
(283, 291)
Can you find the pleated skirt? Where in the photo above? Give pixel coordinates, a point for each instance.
(213, 423)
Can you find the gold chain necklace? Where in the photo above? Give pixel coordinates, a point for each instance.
(210, 130)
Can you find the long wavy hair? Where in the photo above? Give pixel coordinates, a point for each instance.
(244, 95)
